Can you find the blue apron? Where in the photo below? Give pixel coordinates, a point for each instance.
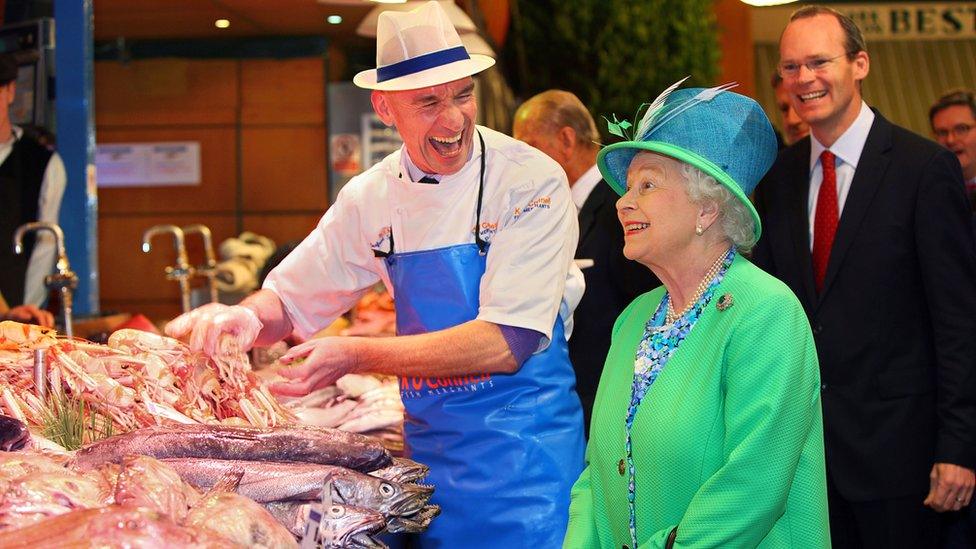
(503, 450)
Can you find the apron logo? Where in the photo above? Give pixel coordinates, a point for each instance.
(416, 387)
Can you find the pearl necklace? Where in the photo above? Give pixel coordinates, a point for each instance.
(670, 316)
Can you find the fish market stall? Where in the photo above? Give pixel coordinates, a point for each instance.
(170, 447)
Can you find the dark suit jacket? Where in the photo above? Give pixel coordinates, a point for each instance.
(611, 284)
(895, 324)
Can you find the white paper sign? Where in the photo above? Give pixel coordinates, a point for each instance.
(148, 164)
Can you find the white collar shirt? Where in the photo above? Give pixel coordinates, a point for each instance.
(527, 216)
(583, 186)
(847, 150)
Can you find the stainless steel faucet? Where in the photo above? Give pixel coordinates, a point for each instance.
(64, 280)
(182, 271)
(209, 269)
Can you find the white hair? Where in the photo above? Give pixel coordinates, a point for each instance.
(734, 219)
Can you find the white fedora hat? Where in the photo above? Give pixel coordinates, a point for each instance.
(419, 48)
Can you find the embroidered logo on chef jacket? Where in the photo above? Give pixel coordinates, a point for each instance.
(416, 387)
(382, 239)
(487, 230)
(541, 203)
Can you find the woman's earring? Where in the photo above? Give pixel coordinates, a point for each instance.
(699, 230)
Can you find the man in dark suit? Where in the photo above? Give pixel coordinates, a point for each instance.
(557, 123)
(868, 225)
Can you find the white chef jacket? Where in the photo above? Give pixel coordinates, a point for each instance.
(527, 216)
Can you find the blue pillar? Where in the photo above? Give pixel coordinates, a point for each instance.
(76, 144)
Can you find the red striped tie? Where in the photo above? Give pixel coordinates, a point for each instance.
(825, 220)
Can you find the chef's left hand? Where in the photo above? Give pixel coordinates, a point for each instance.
(951, 487)
(325, 360)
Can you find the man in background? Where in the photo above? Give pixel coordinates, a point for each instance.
(32, 181)
(794, 128)
(557, 123)
(868, 224)
(953, 119)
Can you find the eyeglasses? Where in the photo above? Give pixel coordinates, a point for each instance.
(958, 131)
(791, 69)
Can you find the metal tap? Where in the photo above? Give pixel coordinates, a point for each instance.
(209, 269)
(182, 271)
(63, 280)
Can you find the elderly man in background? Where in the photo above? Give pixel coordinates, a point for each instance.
(953, 119)
(557, 123)
(868, 224)
(473, 233)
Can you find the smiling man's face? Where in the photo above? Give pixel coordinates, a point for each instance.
(828, 99)
(435, 123)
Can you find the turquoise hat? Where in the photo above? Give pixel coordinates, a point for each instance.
(723, 134)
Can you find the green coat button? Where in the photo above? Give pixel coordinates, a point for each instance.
(622, 467)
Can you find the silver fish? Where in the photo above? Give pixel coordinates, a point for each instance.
(417, 522)
(402, 470)
(266, 482)
(340, 525)
(301, 444)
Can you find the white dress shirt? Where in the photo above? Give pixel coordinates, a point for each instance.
(41, 261)
(583, 186)
(527, 215)
(847, 150)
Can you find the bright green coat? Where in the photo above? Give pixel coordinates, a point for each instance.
(728, 443)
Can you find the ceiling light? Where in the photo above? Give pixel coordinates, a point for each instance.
(222, 23)
(334, 19)
(767, 2)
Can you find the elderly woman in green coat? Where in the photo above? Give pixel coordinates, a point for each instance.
(706, 430)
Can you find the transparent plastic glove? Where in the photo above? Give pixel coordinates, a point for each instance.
(202, 327)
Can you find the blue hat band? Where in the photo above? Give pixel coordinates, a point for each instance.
(421, 63)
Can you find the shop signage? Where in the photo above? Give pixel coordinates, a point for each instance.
(346, 152)
(379, 140)
(148, 164)
(896, 21)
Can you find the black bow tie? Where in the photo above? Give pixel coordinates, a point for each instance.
(428, 179)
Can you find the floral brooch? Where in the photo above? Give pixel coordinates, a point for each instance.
(724, 302)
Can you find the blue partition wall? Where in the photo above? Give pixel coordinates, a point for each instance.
(76, 144)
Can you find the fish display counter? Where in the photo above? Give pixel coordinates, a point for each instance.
(135, 461)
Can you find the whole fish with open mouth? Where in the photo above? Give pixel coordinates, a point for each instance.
(301, 444)
(13, 434)
(266, 482)
(417, 522)
(402, 470)
(340, 525)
